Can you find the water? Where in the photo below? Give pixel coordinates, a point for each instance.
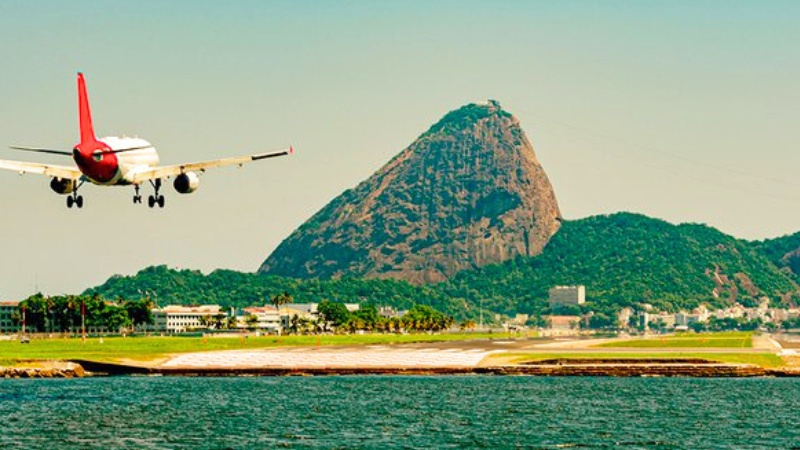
(462, 412)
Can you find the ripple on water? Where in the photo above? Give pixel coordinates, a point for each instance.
(399, 413)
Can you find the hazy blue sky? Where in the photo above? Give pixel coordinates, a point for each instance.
(684, 110)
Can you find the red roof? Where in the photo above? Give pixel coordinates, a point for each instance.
(260, 309)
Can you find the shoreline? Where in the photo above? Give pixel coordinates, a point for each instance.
(676, 368)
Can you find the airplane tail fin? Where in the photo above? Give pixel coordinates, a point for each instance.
(87, 131)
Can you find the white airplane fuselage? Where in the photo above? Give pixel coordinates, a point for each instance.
(128, 164)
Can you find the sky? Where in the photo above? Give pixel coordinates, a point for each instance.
(681, 110)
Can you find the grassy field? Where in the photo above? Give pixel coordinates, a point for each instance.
(760, 359)
(689, 340)
(151, 348)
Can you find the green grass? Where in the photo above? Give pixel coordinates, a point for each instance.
(688, 340)
(151, 348)
(768, 360)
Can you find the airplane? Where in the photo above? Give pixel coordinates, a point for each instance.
(118, 161)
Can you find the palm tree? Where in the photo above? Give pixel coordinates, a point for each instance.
(205, 321)
(219, 320)
(281, 299)
(252, 321)
(231, 322)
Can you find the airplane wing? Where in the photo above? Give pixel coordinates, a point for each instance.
(170, 171)
(68, 173)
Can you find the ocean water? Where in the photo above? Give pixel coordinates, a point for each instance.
(393, 412)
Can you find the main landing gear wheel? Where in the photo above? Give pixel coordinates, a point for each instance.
(155, 199)
(152, 201)
(76, 200)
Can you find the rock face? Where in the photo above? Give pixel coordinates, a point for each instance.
(468, 192)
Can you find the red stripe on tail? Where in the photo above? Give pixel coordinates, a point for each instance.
(87, 131)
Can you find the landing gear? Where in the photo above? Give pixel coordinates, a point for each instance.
(152, 201)
(74, 199)
(155, 199)
(136, 197)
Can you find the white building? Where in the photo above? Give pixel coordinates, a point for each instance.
(389, 312)
(567, 295)
(7, 324)
(268, 318)
(684, 319)
(311, 308)
(177, 319)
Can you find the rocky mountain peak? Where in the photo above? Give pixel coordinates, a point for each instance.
(468, 192)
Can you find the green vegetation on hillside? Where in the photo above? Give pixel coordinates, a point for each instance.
(229, 288)
(622, 259)
(466, 116)
(775, 249)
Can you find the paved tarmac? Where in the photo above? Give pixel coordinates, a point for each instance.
(425, 355)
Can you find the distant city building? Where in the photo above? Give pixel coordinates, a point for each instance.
(311, 308)
(563, 323)
(624, 316)
(268, 318)
(301, 308)
(684, 319)
(389, 312)
(567, 295)
(177, 319)
(7, 323)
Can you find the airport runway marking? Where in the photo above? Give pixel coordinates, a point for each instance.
(331, 359)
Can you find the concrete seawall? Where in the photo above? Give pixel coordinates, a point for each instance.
(66, 370)
(649, 369)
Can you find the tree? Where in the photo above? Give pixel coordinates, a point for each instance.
(139, 311)
(115, 318)
(280, 300)
(698, 327)
(231, 323)
(334, 313)
(218, 321)
(205, 321)
(251, 321)
(600, 321)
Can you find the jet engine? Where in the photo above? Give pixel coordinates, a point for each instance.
(186, 183)
(63, 186)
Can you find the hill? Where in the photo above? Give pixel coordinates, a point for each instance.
(622, 259)
(783, 251)
(628, 258)
(230, 288)
(467, 193)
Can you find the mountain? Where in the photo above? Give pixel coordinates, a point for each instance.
(467, 193)
(623, 259)
(783, 251)
(627, 258)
